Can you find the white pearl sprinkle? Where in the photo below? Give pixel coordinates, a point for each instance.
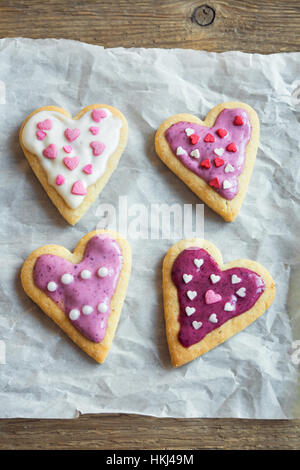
(67, 278)
(74, 314)
(87, 309)
(103, 272)
(102, 308)
(85, 274)
(52, 286)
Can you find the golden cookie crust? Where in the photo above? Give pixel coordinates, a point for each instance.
(181, 355)
(72, 216)
(97, 351)
(228, 209)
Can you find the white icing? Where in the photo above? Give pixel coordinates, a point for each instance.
(241, 292)
(187, 278)
(85, 274)
(214, 278)
(52, 286)
(102, 272)
(67, 278)
(235, 279)
(228, 307)
(74, 314)
(195, 153)
(219, 151)
(87, 309)
(191, 294)
(109, 134)
(189, 311)
(196, 324)
(213, 318)
(102, 308)
(198, 262)
(180, 151)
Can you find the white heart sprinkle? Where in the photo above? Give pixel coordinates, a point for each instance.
(214, 278)
(51, 286)
(235, 279)
(198, 262)
(197, 324)
(213, 318)
(187, 278)
(67, 278)
(219, 152)
(87, 309)
(102, 272)
(180, 151)
(191, 294)
(228, 307)
(229, 168)
(227, 184)
(241, 292)
(189, 131)
(74, 314)
(195, 153)
(189, 311)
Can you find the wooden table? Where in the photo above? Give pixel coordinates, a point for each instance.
(251, 26)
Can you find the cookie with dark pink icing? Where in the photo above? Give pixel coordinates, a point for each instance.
(214, 157)
(82, 292)
(205, 301)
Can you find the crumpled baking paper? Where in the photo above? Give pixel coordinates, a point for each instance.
(254, 374)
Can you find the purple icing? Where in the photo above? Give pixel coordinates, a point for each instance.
(240, 135)
(100, 251)
(201, 283)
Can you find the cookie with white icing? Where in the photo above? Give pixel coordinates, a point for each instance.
(82, 292)
(218, 301)
(214, 157)
(73, 158)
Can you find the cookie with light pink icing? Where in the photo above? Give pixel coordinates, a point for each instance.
(82, 292)
(74, 157)
(206, 302)
(214, 157)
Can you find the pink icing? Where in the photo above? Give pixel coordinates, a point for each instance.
(225, 293)
(45, 125)
(67, 148)
(78, 188)
(98, 114)
(71, 162)
(98, 148)
(88, 169)
(40, 135)
(94, 130)
(50, 151)
(60, 180)
(72, 134)
(208, 142)
(100, 251)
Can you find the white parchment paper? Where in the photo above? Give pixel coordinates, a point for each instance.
(254, 374)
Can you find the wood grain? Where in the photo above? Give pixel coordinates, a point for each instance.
(250, 26)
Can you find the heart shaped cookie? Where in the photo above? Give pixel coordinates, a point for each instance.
(74, 157)
(214, 157)
(83, 292)
(226, 298)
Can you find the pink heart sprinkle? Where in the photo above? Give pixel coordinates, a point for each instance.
(78, 188)
(94, 130)
(98, 114)
(59, 180)
(88, 169)
(68, 148)
(40, 135)
(72, 134)
(45, 125)
(50, 151)
(71, 162)
(98, 148)
(211, 297)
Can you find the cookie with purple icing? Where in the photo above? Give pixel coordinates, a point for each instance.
(214, 157)
(82, 292)
(205, 301)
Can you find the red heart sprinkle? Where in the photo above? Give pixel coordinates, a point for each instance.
(219, 161)
(214, 183)
(238, 121)
(205, 163)
(194, 138)
(231, 147)
(209, 138)
(221, 133)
